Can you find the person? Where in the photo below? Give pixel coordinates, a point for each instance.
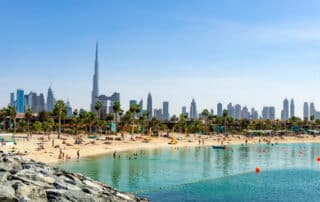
(202, 141)
(52, 142)
(78, 154)
(199, 142)
(114, 154)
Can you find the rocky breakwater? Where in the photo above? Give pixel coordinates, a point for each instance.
(27, 180)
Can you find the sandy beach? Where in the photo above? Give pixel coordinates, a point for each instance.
(40, 148)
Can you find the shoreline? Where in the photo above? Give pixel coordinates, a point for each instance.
(96, 148)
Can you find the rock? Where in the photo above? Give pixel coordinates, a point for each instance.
(27, 180)
(7, 193)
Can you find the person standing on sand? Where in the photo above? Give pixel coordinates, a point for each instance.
(52, 142)
(199, 142)
(78, 154)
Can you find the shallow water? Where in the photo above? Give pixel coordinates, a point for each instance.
(205, 174)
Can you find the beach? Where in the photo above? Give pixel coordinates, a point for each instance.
(41, 148)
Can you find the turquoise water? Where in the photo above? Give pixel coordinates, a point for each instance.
(289, 172)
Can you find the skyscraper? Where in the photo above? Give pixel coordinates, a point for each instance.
(95, 89)
(254, 114)
(285, 110)
(237, 111)
(51, 101)
(219, 109)
(184, 110)
(69, 109)
(12, 100)
(292, 108)
(141, 105)
(149, 107)
(268, 113)
(305, 111)
(230, 109)
(165, 106)
(158, 114)
(193, 110)
(313, 111)
(245, 113)
(20, 101)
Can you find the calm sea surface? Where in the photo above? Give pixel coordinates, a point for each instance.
(289, 172)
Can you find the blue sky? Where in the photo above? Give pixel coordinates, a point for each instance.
(254, 53)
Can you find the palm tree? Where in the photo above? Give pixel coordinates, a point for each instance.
(28, 115)
(12, 112)
(116, 109)
(98, 107)
(91, 119)
(60, 109)
(3, 116)
(83, 117)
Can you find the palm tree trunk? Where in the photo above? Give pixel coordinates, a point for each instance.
(28, 127)
(59, 126)
(14, 123)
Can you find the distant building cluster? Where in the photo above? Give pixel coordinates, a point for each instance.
(35, 102)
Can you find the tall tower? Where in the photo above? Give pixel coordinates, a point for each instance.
(149, 107)
(51, 101)
(305, 111)
(219, 109)
(285, 114)
(193, 110)
(95, 89)
(165, 107)
(292, 108)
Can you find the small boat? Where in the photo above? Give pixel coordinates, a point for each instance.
(219, 147)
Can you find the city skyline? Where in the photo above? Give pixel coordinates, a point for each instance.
(192, 50)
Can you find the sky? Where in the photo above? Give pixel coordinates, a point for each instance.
(249, 52)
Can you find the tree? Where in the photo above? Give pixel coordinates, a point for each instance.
(22, 124)
(98, 107)
(60, 110)
(47, 126)
(28, 115)
(91, 119)
(12, 112)
(37, 126)
(3, 116)
(116, 109)
(43, 116)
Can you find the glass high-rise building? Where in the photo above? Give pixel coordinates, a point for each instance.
(219, 109)
(51, 101)
(193, 110)
(305, 111)
(95, 87)
(12, 100)
(292, 108)
(285, 110)
(20, 101)
(268, 113)
(149, 107)
(165, 106)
